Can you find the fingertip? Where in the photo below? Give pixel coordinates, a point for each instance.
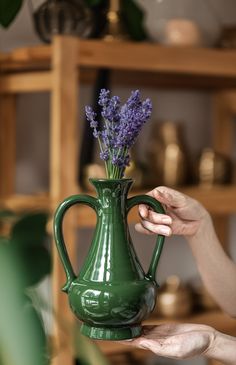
(143, 211)
(157, 192)
(165, 231)
(164, 193)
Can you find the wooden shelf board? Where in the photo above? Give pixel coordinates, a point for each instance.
(26, 58)
(152, 57)
(218, 200)
(26, 82)
(131, 56)
(215, 319)
(25, 203)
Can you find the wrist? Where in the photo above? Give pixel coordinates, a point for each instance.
(221, 348)
(204, 228)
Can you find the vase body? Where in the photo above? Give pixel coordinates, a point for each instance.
(112, 294)
(64, 17)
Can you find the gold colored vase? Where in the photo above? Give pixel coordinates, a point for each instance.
(115, 28)
(167, 155)
(213, 169)
(175, 299)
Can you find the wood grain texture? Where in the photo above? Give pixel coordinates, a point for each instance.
(218, 200)
(7, 144)
(63, 171)
(25, 82)
(132, 56)
(223, 126)
(152, 57)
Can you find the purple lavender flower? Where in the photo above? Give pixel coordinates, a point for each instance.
(133, 115)
(118, 161)
(110, 111)
(91, 115)
(104, 155)
(103, 97)
(122, 125)
(96, 133)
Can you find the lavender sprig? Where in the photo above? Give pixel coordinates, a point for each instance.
(121, 127)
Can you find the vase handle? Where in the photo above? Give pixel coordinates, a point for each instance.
(157, 207)
(58, 232)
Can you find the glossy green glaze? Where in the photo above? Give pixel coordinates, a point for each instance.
(112, 294)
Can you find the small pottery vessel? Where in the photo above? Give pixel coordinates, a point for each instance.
(115, 28)
(167, 155)
(112, 294)
(214, 169)
(175, 299)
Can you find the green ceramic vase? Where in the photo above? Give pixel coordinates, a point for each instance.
(112, 294)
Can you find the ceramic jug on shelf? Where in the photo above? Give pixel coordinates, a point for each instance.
(167, 155)
(112, 294)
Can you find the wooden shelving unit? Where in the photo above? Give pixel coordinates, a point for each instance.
(60, 69)
(218, 200)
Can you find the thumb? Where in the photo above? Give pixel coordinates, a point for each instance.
(169, 197)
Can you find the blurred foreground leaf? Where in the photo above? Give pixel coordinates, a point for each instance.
(8, 11)
(87, 351)
(27, 238)
(22, 338)
(30, 229)
(36, 261)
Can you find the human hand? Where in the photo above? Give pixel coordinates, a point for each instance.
(176, 341)
(184, 215)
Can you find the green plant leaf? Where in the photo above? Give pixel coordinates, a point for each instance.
(4, 240)
(30, 229)
(133, 17)
(35, 260)
(92, 3)
(6, 213)
(8, 11)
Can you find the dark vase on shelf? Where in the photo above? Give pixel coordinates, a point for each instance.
(112, 294)
(70, 17)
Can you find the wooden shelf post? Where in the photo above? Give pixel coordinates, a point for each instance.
(222, 140)
(7, 144)
(64, 141)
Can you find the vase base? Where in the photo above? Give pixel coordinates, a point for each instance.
(113, 334)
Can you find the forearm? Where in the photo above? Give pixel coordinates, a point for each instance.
(217, 270)
(223, 348)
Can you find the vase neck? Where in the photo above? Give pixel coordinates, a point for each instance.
(112, 192)
(111, 256)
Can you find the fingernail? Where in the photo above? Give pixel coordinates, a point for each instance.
(165, 231)
(143, 213)
(167, 220)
